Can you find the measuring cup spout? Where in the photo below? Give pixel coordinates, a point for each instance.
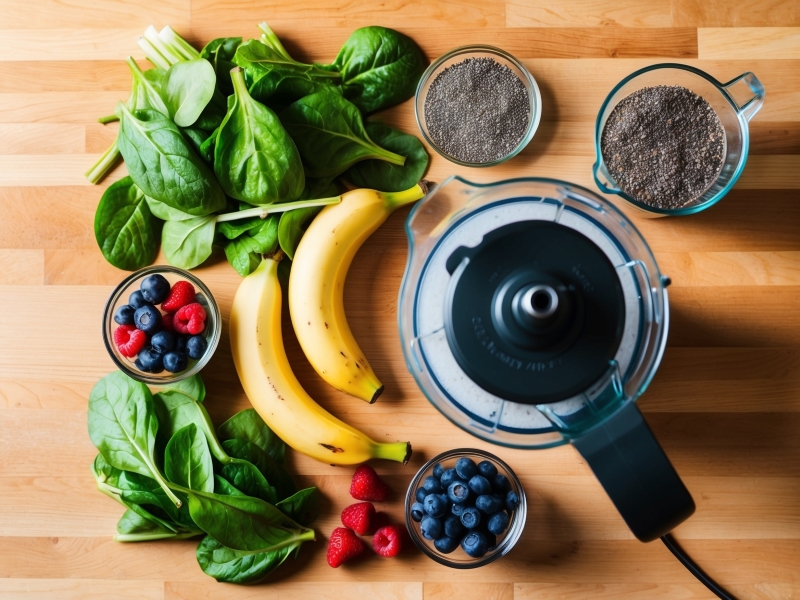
(747, 94)
(602, 178)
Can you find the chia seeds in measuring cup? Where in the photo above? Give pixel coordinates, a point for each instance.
(477, 110)
(664, 146)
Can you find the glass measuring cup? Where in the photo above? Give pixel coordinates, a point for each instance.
(735, 103)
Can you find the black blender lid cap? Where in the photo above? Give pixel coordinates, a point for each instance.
(534, 313)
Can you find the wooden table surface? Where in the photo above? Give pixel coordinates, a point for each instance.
(725, 403)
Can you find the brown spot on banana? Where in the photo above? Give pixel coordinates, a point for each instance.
(333, 449)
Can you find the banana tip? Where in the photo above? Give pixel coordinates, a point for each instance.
(408, 453)
(377, 393)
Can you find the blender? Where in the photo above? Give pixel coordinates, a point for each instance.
(533, 314)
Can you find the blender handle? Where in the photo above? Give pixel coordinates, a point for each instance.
(637, 475)
(754, 94)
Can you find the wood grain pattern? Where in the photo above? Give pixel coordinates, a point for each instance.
(725, 403)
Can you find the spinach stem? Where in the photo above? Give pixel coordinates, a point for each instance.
(104, 164)
(145, 537)
(151, 35)
(152, 54)
(108, 119)
(263, 211)
(269, 38)
(177, 44)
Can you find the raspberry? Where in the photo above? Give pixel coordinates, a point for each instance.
(190, 319)
(388, 541)
(181, 294)
(366, 485)
(129, 340)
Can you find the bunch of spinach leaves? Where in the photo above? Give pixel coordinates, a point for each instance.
(162, 460)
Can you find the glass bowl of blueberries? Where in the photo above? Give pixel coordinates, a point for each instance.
(465, 508)
(161, 325)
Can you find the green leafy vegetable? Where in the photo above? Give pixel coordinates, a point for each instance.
(146, 89)
(138, 490)
(164, 166)
(191, 386)
(272, 471)
(249, 426)
(294, 223)
(176, 410)
(330, 135)
(219, 53)
(188, 87)
(225, 487)
(230, 566)
(384, 176)
(123, 426)
(254, 158)
(188, 243)
(134, 526)
(165, 212)
(125, 228)
(380, 67)
(187, 460)
(244, 252)
(302, 506)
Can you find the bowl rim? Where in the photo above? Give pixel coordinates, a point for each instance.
(213, 340)
(515, 526)
(534, 94)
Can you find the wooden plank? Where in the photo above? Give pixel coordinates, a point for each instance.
(71, 76)
(42, 138)
(748, 43)
(59, 107)
(648, 591)
(79, 267)
(102, 43)
(774, 138)
(21, 267)
(294, 590)
(588, 13)
(467, 591)
(80, 589)
(743, 13)
(99, 137)
(38, 170)
(700, 269)
(18, 393)
(55, 15)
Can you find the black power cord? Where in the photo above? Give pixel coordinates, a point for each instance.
(687, 562)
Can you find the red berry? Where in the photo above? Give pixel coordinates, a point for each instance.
(342, 546)
(358, 517)
(388, 541)
(366, 485)
(166, 322)
(129, 340)
(190, 319)
(181, 294)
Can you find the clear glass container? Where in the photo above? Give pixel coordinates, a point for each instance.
(458, 55)
(735, 103)
(458, 559)
(119, 297)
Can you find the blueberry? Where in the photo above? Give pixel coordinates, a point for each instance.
(432, 485)
(417, 511)
(155, 288)
(458, 492)
(466, 468)
(175, 362)
(500, 483)
(512, 501)
(147, 318)
(420, 494)
(136, 300)
(470, 518)
(487, 469)
(498, 523)
(149, 361)
(180, 343)
(163, 342)
(445, 544)
(430, 527)
(491, 540)
(457, 509)
(434, 506)
(488, 504)
(453, 527)
(196, 346)
(475, 544)
(448, 477)
(438, 470)
(124, 315)
(480, 485)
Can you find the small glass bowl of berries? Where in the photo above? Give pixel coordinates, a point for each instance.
(465, 508)
(161, 325)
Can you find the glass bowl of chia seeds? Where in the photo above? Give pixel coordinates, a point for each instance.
(672, 140)
(478, 106)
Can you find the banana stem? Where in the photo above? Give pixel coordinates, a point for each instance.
(394, 200)
(398, 451)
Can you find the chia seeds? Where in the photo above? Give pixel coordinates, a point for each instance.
(664, 146)
(477, 110)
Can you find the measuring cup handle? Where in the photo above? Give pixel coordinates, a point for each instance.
(637, 475)
(599, 170)
(747, 94)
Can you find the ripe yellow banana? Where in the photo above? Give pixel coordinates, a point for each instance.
(273, 390)
(316, 286)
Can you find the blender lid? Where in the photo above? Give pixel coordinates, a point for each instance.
(534, 312)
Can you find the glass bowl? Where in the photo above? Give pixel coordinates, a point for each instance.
(120, 296)
(735, 103)
(458, 559)
(458, 55)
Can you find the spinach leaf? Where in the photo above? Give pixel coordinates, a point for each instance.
(380, 175)
(191, 386)
(188, 87)
(213, 113)
(165, 212)
(125, 228)
(244, 252)
(244, 523)
(188, 243)
(273, 472)
(254, 158)
(293, 225)
(187, 460)
(330, 135)
(302, 506)
(196, 137)
(225, 487)
(134, 526)
(380, 67)
(230, 566)
(219, 53)
(140, 491)
(164, 166)
(123, 426)
(176, 410)
(273, 77)
(146, 89)
(233, 229)
(249, 426)
(246, 477)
